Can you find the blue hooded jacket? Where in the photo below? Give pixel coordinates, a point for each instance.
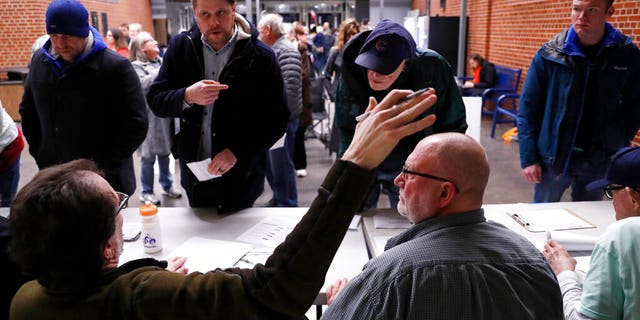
(554, 91)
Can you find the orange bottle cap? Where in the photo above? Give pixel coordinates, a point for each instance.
(148, 209)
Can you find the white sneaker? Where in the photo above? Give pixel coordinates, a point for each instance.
(149, 197)
(301, 173)
(172, 193)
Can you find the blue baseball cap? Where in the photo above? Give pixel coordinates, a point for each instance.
(384, 54)
(385, 47)
(623, 170)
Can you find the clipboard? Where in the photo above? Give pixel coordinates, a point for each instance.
(541, 220)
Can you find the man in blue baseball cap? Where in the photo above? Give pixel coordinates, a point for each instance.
(81, 100)
(610, 289)
(378, 61)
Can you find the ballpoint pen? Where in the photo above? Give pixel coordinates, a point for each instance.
(401, 100)
(520, 220)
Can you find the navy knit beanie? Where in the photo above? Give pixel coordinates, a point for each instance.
(67, 17)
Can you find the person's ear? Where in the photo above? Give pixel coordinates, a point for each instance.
(109, 251)
(610, 11)
(447, 194)
(634, 195)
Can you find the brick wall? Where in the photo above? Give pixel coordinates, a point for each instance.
(509, 32)
(22, 22)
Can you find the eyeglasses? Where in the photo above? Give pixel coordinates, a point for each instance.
(608, 190)
(406, 171)
(124, 201)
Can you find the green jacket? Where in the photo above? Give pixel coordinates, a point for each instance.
(284, 288)
(426, 69)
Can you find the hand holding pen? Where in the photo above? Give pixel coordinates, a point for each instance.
(389, 122)
(401, 100)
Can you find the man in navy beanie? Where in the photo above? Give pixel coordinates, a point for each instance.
(378, 61)
(82, 101)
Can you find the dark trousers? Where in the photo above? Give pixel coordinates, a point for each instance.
(299, 150)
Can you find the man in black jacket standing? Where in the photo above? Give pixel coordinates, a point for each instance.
(82, 100)
(227, 89)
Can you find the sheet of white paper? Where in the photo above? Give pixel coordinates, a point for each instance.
(279, 143)
(354, 222)
(207, 254)
(270, 231)
(131, 231)
(582, 265)
(551, 219)
(391, 222)
(500, 217)
(380, 242)
(255, 256)
(573, 241)
(199, 169)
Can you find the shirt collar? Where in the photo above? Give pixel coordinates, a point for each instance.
(229, 44)
(433, 224)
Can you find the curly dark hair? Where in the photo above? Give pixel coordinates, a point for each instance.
(61, 222)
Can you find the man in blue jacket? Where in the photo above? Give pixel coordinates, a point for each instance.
(81, 100)
(580, 104)
(227, 89)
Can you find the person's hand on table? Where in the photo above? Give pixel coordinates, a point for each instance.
(386, 124)
(558, 257)
(176, 264)
(334, 289)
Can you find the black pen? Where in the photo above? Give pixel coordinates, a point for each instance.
(401, 100)
(520, 220)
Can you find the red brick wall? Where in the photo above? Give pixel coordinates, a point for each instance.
(509, 32)
(22, 22)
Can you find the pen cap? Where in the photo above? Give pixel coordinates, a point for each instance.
(148, 209)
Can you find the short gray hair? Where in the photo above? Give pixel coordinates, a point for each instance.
(273, 21)
(135, 47)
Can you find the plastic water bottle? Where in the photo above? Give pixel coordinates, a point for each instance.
(151, 235)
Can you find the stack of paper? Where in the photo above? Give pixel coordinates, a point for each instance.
(573, 241)
(207, 254)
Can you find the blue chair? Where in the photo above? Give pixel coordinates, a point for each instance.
(503, 113)
(507, 83)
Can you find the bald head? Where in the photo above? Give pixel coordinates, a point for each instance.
(460, 159)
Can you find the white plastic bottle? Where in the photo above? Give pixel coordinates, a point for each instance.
(151, 235)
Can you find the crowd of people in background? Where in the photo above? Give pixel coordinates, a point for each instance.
(186, 102)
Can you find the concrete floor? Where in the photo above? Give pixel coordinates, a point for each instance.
(506, 184)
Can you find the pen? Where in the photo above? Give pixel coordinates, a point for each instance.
(548, 235)
(401, 100)
(363, 116)
(412, 95)
(520, 220)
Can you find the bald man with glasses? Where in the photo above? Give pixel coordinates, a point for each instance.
(452, 263)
